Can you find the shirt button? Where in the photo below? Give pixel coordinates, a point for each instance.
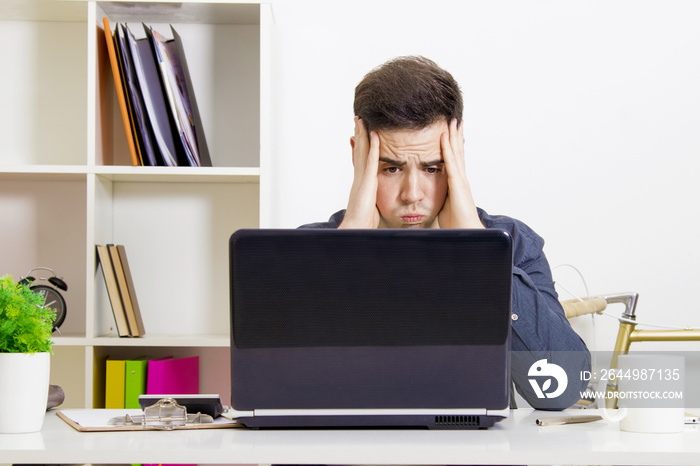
(514, 317)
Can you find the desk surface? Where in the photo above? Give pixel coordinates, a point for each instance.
(517, 440)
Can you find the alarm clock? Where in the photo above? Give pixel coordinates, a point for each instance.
(52, 296)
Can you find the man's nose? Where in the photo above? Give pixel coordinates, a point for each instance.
(411, 189)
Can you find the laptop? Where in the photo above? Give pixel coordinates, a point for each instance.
(370, 328)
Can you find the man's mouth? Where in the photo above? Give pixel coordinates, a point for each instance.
(411, 219)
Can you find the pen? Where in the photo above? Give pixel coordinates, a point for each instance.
(559, 421)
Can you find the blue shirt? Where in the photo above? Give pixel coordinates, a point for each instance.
(540, 328)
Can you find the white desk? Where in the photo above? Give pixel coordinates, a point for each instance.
(515, 441)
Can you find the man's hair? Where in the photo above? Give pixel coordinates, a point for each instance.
(407, 93)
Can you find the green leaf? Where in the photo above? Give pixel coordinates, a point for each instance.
(25, 325)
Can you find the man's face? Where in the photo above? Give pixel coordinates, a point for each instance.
(412, 177)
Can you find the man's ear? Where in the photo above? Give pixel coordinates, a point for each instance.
(352, 144)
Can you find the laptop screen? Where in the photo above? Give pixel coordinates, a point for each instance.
(311, 288)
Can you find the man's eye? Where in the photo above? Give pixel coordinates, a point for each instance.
(391, 169)
(432, 170)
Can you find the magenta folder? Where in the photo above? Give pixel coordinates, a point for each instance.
(170, 376)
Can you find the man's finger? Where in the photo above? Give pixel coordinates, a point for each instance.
(457, 146)
(454, 134)
(447, 153)
(372, 160)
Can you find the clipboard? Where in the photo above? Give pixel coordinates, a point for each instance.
(164, 415)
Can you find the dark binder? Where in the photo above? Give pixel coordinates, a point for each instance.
(176, 98)
(204, 157)
(153, 98)
(142, 127)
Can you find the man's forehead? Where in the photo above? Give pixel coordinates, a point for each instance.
(422, 143)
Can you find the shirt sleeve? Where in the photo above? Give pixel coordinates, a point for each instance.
(333, 222)
(541, 330)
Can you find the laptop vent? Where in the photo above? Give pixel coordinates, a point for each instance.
(457, 421)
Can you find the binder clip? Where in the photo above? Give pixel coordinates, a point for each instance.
(167, 414)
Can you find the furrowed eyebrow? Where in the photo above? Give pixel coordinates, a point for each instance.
(401, 163)
(432, 163)
(398, 163)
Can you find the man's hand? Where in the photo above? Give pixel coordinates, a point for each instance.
(362, 206)
(459, 210)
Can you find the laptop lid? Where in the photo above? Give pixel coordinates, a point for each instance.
(370, 327)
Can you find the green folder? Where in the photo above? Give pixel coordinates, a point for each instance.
(134, 381)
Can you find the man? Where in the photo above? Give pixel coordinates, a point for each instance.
(409, 164)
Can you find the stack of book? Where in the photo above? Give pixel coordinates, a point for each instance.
(156, 98)
(126, 379)
(121, 290)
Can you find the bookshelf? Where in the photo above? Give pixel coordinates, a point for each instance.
(67, 184)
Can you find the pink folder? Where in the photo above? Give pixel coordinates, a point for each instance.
(170, 376)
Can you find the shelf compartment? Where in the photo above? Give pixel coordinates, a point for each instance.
(176, 238)
(47, 228)
(222, 48)
(43, 120)
(214, 367)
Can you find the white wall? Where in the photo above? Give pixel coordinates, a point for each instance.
(582, 119)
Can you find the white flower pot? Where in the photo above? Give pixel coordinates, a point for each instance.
(24, 389)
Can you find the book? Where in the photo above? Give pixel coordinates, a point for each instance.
(134, 381)
(169, 376)
(115, 372)
(132, 290)
(127, 291)
(115, 298)
(121, 96)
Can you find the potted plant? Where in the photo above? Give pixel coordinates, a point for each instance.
(25, 346)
